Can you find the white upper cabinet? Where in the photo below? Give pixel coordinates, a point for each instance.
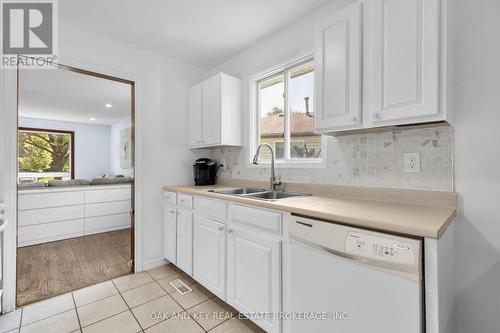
(215, 112)
(195, 116)
(338, 78)
(406, 61)
(380, 63)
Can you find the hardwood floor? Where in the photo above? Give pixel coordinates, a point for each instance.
(49, 269)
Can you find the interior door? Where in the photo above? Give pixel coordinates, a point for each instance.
(338, 78)
(254, 275)
(185, 241)
(211, 100)
(209, 255)
(195, 115)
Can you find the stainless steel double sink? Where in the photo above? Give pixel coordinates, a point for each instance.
(259, 194)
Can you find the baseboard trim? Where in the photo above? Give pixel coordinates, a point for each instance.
(154, 263)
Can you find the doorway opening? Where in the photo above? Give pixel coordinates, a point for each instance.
(76, 140)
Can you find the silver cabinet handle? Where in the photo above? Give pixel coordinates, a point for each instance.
(377, 115)
(221, 228)
(229, 231)
(172, 211)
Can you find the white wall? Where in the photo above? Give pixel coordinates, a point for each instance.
(163, 97)
(476, 97)
(364, 159)
(115, 148)
(92, 145)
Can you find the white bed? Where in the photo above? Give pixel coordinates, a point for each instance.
(50, 214)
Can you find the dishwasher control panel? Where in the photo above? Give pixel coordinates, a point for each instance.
(379, 248)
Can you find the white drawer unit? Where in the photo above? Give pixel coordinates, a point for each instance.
(84, 210)
(256, 218)
(210, 208)
(41, 233)
(185, 201)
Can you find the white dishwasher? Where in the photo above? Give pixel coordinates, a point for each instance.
(342, 279)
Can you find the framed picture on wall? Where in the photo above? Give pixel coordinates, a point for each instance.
(126, 149)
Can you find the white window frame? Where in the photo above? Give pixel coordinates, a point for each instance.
(255, 120)
(37, 175)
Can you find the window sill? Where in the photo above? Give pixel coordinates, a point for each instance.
(290, 165)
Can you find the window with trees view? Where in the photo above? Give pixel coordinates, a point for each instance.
(45, 154)
(285, 114)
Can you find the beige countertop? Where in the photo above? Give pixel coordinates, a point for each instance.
(409, 212)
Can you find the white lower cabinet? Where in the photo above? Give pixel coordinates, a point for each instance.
(254, 276)
(232, 250)
(170, 233)
(209, 255)
(185, 241)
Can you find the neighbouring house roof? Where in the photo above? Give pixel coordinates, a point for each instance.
(300, 124)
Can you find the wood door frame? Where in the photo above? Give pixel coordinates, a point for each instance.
(9, 93)
(47, 130)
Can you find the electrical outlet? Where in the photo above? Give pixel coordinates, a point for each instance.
(222, 163)
(412, 162)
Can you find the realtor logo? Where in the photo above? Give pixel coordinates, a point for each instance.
(28, 28)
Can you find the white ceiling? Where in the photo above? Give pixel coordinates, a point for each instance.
(58, 94)
(202, 32)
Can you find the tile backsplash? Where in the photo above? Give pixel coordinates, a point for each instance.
(368, 159)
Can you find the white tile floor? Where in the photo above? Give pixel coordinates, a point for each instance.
(143, 302)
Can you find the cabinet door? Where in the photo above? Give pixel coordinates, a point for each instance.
(211, 95)
(253, 275)
(195, 115)
(405, 60)
(209, 255)
(338, 79)
(170, 233)
(185, 241)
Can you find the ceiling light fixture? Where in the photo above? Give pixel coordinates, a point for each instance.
(93, 119)
(108, 105)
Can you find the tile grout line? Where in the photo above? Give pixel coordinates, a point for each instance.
(76, 310)
(49, 317)
(129, 309)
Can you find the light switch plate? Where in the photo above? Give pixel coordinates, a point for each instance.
(412, 162)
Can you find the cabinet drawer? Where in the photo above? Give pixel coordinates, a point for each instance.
(170, 197)
(256, 218)
(117, 194)
(46, 200)
(99, 224)
(213, 209)
(108, 208)
(35, 234)
(185, 201)
(55, 214)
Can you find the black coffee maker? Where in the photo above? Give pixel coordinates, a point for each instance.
(205, 172)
